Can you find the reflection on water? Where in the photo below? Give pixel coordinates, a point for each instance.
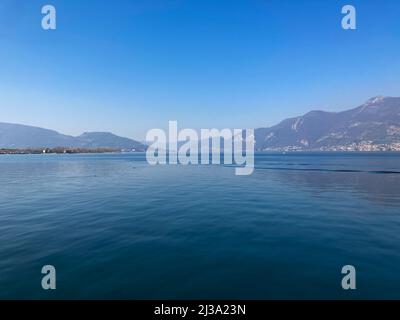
(115, 227)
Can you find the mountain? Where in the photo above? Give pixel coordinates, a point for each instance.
(375, 125)
(16, 136)
(107, 139)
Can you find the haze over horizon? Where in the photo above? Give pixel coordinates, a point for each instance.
(132, 66)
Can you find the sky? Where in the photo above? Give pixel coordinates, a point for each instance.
(128, 66)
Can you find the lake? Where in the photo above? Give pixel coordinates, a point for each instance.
(115, 227)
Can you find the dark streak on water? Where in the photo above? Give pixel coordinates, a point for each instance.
(336, 170)
(115, 227)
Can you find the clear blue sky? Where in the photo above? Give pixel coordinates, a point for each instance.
(129, 66)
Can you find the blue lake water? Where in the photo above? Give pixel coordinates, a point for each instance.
(115, 227)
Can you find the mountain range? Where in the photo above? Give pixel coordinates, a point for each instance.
(17, 136)
(373, 126)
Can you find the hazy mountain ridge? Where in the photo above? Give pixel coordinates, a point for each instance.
(375, 125)
(22, 136)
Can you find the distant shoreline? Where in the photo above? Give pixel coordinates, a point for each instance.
(58, 150)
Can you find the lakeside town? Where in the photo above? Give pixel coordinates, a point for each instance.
(352, 147)
(364, 146)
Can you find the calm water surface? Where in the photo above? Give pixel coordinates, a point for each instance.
(115, 227)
